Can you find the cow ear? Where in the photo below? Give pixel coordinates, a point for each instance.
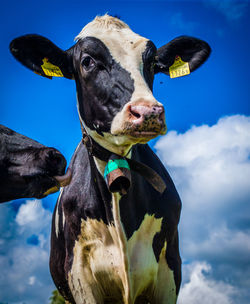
(42, 56)
(181, 56)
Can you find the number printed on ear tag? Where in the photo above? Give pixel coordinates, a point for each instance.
(51, 69)
(179, 68)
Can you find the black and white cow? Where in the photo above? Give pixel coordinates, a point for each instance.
(27, 168)
(112, 248)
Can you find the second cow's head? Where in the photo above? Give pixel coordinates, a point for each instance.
(114, 70)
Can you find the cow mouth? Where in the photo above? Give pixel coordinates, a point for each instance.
(149, 134)
(64, 180)
(145, 133)
(141, 135)
(59, 181)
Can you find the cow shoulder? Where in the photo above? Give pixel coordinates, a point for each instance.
(166, 206)
(143, 199)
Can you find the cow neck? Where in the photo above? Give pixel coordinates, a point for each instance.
(96, 150)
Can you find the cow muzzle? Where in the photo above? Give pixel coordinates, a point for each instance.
(54, 170)
(146, 120)
(141, 119)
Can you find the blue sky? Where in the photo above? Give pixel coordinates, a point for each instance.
(206, 149)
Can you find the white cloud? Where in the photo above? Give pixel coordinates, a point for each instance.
(230, 135)
(32, 214)
(232, 245)
(210, 166)
(200, 289)
(24, 253)
(32, 280)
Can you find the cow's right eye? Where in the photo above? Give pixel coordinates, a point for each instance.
(88, 63)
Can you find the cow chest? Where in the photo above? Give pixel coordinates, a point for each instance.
(109, 268)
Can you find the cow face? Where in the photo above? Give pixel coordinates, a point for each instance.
(114, 71)
(114, 97)
(27, 168)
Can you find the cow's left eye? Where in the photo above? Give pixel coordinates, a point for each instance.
(88, 63)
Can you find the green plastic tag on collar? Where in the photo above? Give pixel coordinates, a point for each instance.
(114, 164)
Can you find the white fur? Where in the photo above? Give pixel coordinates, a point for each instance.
(106, 263)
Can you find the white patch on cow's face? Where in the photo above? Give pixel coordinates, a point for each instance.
(126, 48)
(107, 265)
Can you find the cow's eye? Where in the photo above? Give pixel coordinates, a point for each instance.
(88, 63)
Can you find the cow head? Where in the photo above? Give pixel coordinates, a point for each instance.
(27, 168)
(114, 70)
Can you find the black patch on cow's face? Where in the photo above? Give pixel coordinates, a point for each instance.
(103, 86)
(148, 58)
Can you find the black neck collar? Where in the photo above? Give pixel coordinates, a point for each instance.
(95, 149)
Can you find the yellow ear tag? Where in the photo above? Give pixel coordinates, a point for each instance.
(179, 68)
(51, 69)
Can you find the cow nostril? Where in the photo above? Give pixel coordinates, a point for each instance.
(158, 110)
(134, 113)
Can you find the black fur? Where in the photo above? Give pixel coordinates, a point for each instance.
(105, 89)
(26, 167)
(190, 49)
(148, 57)
(31, 49)
(93, 200)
